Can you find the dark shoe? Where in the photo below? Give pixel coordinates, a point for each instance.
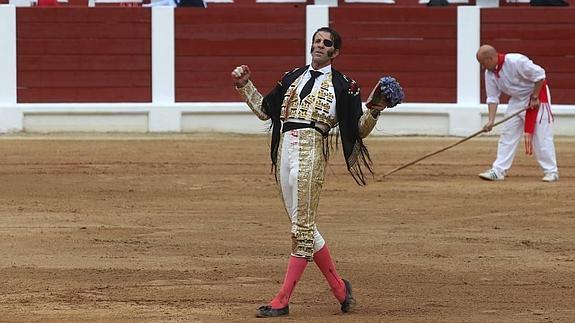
(349, 303)
(268, 311)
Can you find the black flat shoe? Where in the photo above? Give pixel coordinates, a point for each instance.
(268, 311)
(349, 303)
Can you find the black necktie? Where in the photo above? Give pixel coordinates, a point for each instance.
(309, 84)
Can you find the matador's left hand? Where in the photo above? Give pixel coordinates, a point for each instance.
(378, 107)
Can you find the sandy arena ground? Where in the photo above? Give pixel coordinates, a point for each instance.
(190, 228)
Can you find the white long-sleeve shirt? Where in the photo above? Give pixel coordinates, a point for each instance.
(516, 78)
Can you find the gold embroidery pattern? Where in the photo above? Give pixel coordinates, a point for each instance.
(314, 107)
(290, 98)
(366, 124)
(254, 99)
(310, 181)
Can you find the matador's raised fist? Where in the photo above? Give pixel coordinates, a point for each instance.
(241, 75)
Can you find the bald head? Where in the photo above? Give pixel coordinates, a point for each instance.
(487, 57)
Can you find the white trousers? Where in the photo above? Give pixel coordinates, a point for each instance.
(302, 172)
(543, 146)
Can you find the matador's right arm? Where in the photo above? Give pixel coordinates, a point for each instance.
(253, 98)
(251, 95)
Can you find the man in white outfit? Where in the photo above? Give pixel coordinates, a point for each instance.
(524, 81)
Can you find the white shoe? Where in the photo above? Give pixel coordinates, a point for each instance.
(551, 177)
(492, 175)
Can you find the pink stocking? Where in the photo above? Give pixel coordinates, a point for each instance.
(323, 260)
(296, 267)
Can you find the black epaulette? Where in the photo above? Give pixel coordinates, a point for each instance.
(286, 74)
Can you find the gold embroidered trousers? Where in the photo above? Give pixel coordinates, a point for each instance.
(302, 166)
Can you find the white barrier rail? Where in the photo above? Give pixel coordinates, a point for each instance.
(407, 119)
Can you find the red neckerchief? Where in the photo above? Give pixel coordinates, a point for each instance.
(500, 62)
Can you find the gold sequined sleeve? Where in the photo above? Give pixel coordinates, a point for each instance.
(254, 99)
(366, 123)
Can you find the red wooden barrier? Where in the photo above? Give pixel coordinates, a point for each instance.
(103, 54)
(84, 55)
(418, 46)
(211, 43)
